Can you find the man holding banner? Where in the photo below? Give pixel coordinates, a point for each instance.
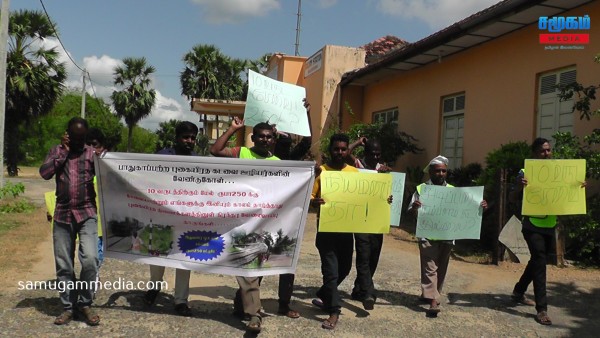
(263, 137)
(538, 230)
(335, 248)
(368, 246)
(434, 253)
(185, 140)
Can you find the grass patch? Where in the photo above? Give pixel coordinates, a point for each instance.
(7, 225)
(16, 206)
(20, 237)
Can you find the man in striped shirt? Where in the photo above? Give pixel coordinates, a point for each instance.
(72, 165)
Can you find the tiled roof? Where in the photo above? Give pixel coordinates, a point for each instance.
(380, 47)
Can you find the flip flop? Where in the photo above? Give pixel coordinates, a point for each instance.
(91, 318)
(254, 325)
(318, 303)
(331, 322)
(289, 313)
(542, 318)
(64, 318)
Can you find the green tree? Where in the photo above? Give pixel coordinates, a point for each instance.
(166, 134)
(45, 132)
(395, 143)
(582, 231)
(34, 77)
(210, 74)
(142, 141)
(136, 99)
(585, 96)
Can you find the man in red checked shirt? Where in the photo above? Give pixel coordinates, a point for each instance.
(72, 165)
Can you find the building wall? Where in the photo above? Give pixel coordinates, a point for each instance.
(499, 79)
(321, 85)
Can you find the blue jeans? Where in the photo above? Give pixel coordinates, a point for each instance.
(64, 236)
(100, 252)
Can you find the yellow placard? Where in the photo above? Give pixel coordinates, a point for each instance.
(355, 202)
(50, 199)
(554, 187)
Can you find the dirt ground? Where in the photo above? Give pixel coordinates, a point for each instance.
(476, 304)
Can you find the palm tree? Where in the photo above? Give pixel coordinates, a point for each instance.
(135, 101)
(210, 74)
(34, 77)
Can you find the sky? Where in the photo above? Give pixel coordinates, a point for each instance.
(99, 34)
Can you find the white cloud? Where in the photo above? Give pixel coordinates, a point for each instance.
(167, 108)
(101, 71)
(234, 11)
(430, 10)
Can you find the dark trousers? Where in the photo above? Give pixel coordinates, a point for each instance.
(368, 250)
(336, 251)
(541, 245)
(286, 288)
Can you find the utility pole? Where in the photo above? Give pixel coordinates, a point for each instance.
(4, 16)
(83, 95)
(299, 17)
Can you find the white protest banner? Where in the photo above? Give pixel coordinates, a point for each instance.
(277, 103)
(220, 215)
(449, 213)
(398, 180)
(512, 238)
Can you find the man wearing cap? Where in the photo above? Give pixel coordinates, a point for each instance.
(435, 254)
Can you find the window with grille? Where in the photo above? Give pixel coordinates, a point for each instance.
(386, 116)
(453, 108)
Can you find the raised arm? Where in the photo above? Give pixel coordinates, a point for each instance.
(56, 159)
(218, 149)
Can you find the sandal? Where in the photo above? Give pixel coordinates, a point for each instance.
(318, 303)
(434, 309)
(331, 322)
(286, 311)
(91, 318)
(542, 318)
(254, 325)
(522, 299)
(64, 318)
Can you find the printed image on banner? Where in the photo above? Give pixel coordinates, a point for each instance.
(277, 103)
(355, 202)
(219, 215)
(554, 187)
(449, 213)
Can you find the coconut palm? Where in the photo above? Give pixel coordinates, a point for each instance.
(209, 74)
(34, 77)
(135, 101)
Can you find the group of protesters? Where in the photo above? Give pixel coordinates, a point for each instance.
(75, 215)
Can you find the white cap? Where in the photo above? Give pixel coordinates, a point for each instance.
(437, 160)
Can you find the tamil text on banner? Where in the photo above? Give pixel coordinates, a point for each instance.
(449, 213)
(398, 193)
(220, 215)
(398, 180)
(277, 103)
(554, 187)
(355, 202)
